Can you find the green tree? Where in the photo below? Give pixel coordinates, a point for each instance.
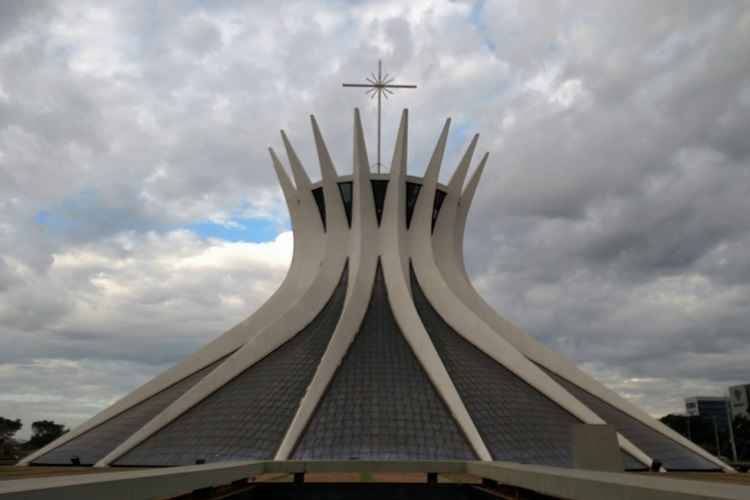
(44, 432)
(742, 437)
(8, 445)
(699, 430)
(678, 423)
(9, 427)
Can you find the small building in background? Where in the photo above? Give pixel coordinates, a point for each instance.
(739, 400)
(710, 407)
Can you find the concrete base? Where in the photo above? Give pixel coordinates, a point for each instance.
(555, 482)
(595, 447)
(353, 491)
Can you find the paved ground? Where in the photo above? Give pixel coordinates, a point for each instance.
(365, 477)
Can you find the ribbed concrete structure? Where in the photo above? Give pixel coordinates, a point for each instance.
(376, 346)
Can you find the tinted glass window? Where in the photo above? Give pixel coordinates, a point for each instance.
(412, 193)
(321, 202)
(379, 188)
(345, 188)
(439, 199)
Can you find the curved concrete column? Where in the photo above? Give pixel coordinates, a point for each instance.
(327, 242)
(448, 251)
(335, 214)
(449, 256)
(294, 319)
(363, 262)
(462, 319)
(395, 271)
(299, 278)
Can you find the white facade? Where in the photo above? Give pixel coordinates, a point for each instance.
(348, 237)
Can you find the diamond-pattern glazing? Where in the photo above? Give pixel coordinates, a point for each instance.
(516, 421)
(95, 444)
(630, 462)
(380, 404)
(247, 417)
(671, 454)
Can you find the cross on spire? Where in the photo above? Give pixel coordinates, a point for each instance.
(379, 86)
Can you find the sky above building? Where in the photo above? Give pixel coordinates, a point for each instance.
(140, 216)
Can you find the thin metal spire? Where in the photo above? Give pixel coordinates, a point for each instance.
(379, 86)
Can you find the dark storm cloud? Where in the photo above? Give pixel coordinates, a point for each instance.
(611, 222)
(616, 225)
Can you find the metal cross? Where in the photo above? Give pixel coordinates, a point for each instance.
(379, 86)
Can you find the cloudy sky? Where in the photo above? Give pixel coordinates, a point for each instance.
(140, 216)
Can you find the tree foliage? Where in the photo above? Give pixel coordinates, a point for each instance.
(44, 432)
(9, 427)
(701, 431)
(8, 445)
(742, 437)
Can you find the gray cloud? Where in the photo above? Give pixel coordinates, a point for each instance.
(616, 223)
(610, 224)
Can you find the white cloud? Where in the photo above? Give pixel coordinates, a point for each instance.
(616, 189)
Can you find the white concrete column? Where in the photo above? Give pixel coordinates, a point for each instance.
(362, 268)
(395, 271)
(308, 252)
(294, 319)
(448, 250)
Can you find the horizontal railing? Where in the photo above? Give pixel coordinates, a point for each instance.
(174, 481)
